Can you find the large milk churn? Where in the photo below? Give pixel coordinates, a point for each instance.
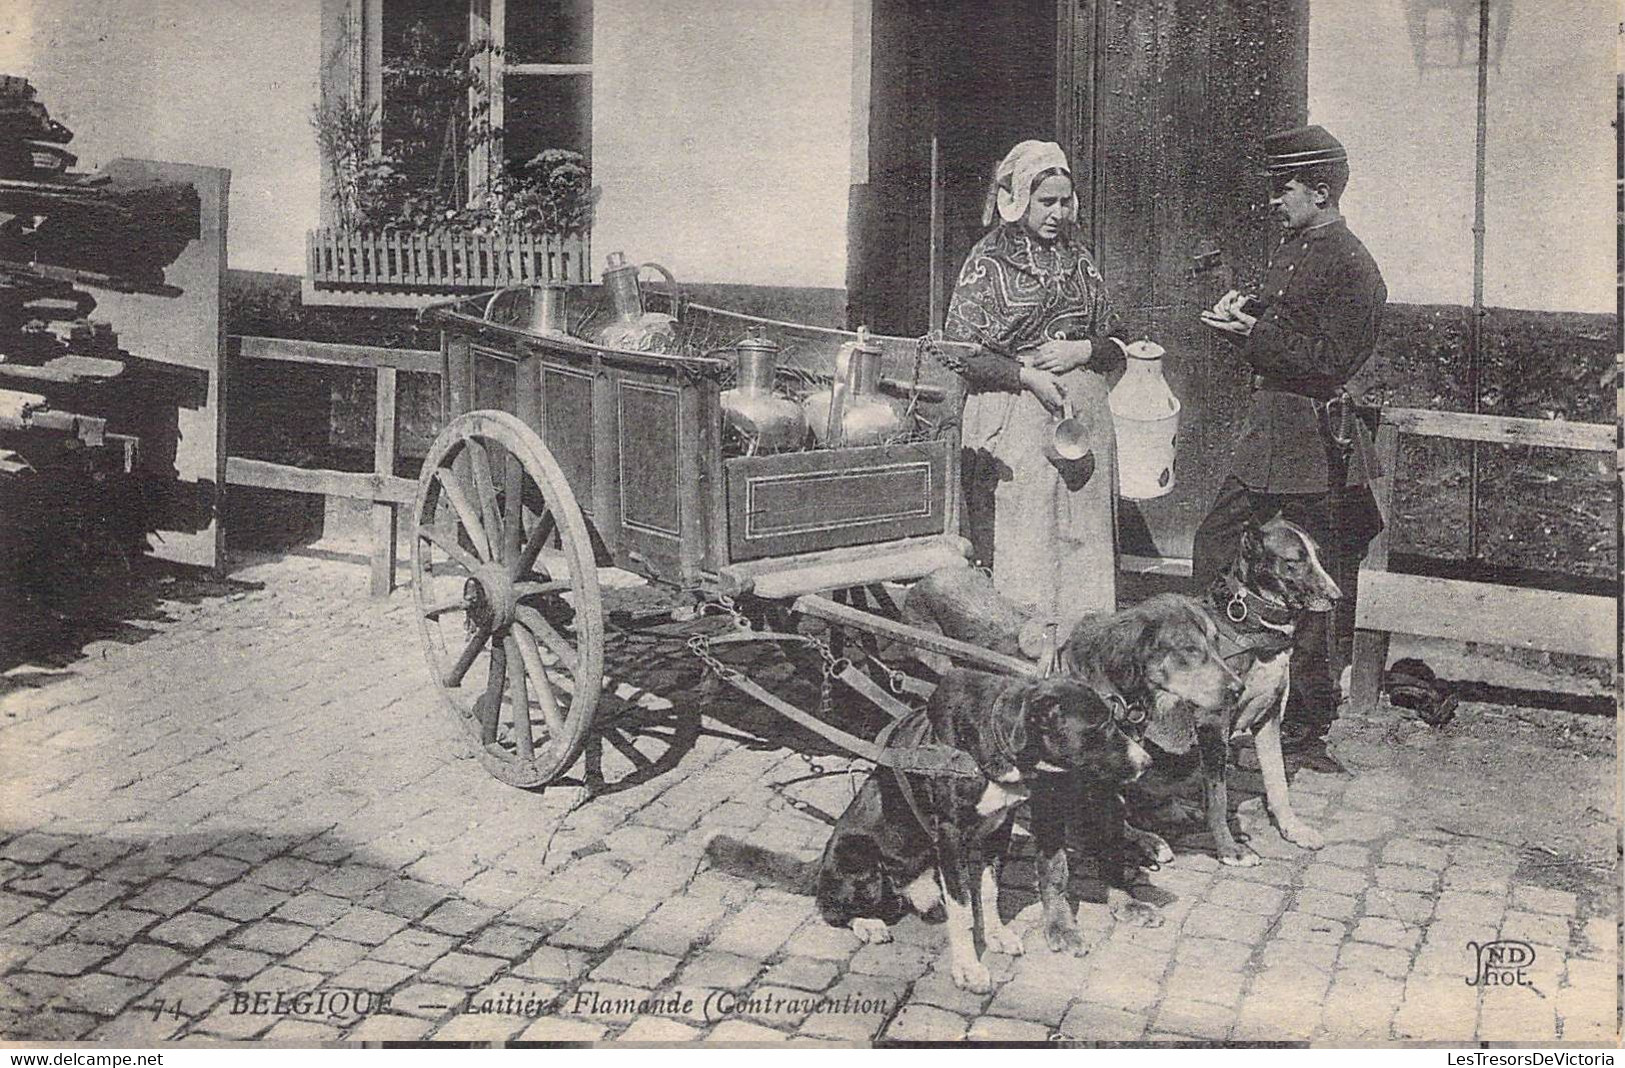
(1145, 413)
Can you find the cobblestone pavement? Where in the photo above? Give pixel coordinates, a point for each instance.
(256, 800)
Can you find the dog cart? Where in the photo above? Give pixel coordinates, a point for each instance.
(640, 443)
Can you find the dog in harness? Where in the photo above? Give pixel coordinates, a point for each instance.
(1256, 605)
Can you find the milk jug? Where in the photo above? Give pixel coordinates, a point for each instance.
(1145, 413)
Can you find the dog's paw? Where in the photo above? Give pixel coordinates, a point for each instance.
(1301, 834)
(1137, 914)
(1062, 936)
(871, 931)
(1152, 846)
(1237, 857)
(971, 974)
(1001, 939)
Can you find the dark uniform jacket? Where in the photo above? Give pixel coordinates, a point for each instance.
(1323, 299)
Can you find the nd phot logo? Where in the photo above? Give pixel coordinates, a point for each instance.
(1501, 963)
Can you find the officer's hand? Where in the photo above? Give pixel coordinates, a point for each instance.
(1044, 385)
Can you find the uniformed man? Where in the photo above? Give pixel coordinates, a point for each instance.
(1302, 451)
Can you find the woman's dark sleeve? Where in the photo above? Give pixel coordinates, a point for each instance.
(1105, 357)
(985, 370)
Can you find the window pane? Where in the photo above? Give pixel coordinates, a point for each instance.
(549, 31)
(546, 111)
(423, 82)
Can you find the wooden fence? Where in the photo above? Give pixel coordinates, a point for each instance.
(381, 486)
(1460, 609)
(338, 259)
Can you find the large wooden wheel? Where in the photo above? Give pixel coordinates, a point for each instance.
(507, 597)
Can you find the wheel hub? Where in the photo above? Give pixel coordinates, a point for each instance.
(490, 597)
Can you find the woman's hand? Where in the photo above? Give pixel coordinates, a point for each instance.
(1044, 385)
(1059, 357)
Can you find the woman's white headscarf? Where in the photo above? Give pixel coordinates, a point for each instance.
(1013, 179)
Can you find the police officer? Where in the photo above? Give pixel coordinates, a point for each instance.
(1302, 452)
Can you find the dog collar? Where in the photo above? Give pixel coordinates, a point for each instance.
(1241, 606)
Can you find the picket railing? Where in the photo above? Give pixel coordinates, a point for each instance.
(452, 260)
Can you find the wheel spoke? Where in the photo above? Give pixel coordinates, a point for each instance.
(465, 660)
(556, 643)
(544, 685)
(489, 707)
(519, 695)
(533, 544)
(465, 512)
(450, 604)
(457, 553)
(536, 589)
(479, 463)
(513, 521)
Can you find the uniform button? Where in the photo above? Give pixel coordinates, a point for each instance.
(1291, 266)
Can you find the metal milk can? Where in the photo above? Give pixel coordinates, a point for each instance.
(633, 328)
(1145, 413)
(853, 412)
(770, 422)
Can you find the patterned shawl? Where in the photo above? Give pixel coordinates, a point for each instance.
(1015, 292)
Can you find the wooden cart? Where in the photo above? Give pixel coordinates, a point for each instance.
(560, 456)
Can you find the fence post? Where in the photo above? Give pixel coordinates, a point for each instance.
(383, 512)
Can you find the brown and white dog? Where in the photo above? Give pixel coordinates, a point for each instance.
(1257, 605)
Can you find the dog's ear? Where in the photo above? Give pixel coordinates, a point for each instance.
(1124, 652)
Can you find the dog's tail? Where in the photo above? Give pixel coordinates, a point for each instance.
(762, 866)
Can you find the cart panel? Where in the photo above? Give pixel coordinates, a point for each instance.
(567, 427)
(830, 498)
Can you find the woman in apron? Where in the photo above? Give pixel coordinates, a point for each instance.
(1030, 297)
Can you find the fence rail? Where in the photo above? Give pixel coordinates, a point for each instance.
(1461, 610)
(381, 486)
(448, 260)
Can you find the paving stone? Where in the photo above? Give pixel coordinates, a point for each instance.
(1198, 1019)
(68, 958)
(89, 897)
(758, 930)
(458, 918)
(370, 927)
(1478, 909)
(1386, 932)
(191, 930)
(15, 906)
(1098, 1023)
(137, 1030)
(1302, 927)
(658, 1029)
(464, 969)
(1600, 938)
(480, 1027)
(1247, 897)
(896, 959)
(926, 1023)
(307, 1033)
(28, 991)
(101, 995)
(1476, 879)
(327, 956)
(211, 870)
(1201, 983)
(351, 880)
(390, 1027)
(243, 901)
(236, 1026)
(1383, 959)
(1540, 899)
(167, 897)
(1437, 1008)
(1551, 930)
(1217, 954)
(287, 873)
(867, 1002)
(1409, 907)
(563, 1029)
(1325, 903)
(937, 988)
(803, 973)
(1003, 1030)
(506, 941)
(553, 964)
(193, 995)
(1361, 1009)
(373, 975)
(1399, 877)
(34, 847)
(636, 967)
(677, 925)
(1337, 880)
(312, 907)
(1417, 854)
(743, 1032)
(1028, 998)
(1344, 855)
(39, 928)
(145, 962)
(272, 936)
(596, 928)
(824, 942)
(1215, 921)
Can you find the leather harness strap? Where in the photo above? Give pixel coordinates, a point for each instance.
(1246, 623)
